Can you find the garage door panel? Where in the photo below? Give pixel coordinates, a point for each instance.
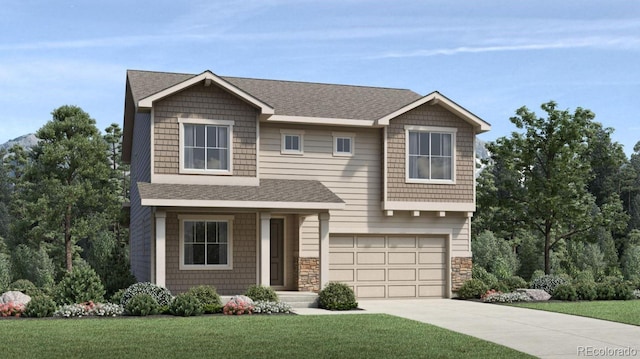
(401, 242)
(398, 274)
(341, 275)
(402, 291)
(392, 266)
(402, 258)
(367, 258)
(371, 242)
(372, 291)
(341, 258)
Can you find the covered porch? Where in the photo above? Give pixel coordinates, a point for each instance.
(258, 235)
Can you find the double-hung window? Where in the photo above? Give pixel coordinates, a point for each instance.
(206, 146)
(343, 143)
(430, 154)
(205, 242)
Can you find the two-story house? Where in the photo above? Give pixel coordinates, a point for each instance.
(240, 181)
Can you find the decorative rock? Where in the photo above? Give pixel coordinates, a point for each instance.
(240, 299)
(536, 294)
(15, 297)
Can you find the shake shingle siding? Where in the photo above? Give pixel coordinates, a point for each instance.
(428, 115)
(140, 227)
(200, 102)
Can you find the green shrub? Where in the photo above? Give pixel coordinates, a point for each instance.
(141, 305)
(606, 291)
(34, 265)
(584, 276)
(487, 278)
(473, 288)
(548, 283)
(537, 274)
(5, 271)
(80, 285)
(40, 306)
(25, 286)
(514, 282)
(162, 295)
(186, 305)
(565, 292)
(586, 290)
(494, 254)
(208, 297)
(262, 293)
(624, 291)
(337, 296)
(116, 298)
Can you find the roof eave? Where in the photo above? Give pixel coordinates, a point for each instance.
(209, 77)
(436, 98)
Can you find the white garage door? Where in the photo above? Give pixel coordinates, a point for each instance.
(389, 266)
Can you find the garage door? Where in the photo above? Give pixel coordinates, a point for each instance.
(389, 266)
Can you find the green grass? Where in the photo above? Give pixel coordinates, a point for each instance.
(331, 336)
(627, 311)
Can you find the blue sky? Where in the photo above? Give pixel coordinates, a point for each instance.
(491, 57)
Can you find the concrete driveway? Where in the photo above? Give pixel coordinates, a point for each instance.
(543, 334)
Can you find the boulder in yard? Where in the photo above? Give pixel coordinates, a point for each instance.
(537, 295)
(15, 297)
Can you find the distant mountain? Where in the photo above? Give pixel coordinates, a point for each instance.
(26, 141)
(481, 154)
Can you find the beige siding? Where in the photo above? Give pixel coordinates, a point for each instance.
(357, 180)
(140, 221)
(228, 282)
(429, 115)
(204, 103)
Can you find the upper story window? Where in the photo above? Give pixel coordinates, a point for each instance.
(206, 146)
(206, 242)
(430, 154)
(343, 143)
(292, 142)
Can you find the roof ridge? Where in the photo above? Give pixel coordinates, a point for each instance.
(317, 83)
(162, 72)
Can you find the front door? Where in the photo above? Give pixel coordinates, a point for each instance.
(277, 251)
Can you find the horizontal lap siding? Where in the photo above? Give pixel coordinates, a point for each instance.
(140, 221)
(357, 180)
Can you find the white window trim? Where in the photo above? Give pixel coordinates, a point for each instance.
(299, 133)
(448, 130)
(194, 217)
(345, 135)
(201, 121)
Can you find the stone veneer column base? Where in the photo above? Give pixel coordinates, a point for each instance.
(308, 274)
(460, 271)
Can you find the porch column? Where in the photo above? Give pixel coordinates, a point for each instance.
(324, 248)
(160, 255)
(265, 248)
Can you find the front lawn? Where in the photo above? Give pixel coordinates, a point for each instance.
(623, 311)
(283, 336)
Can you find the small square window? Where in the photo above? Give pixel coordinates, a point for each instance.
(292, 143)
(343, 144)
(205, 242)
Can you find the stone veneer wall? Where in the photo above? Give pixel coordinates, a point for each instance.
(308, 274)
(460, 271)
(429, 115)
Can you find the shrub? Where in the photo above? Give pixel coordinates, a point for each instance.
(337, 296)
(107, 310)
(606, 291)
(636, 293)
(624, 291)
(11, 309)
(537, 274)
(487, 278)
(82, 284)
(89, 309)
(586, 291)
(473, 288)
(40, 306)
(514, 282)
(141, 305)
(565, 292)
(548, 283)
(262, 307)
(71, 310)
(630, 261)
(512, 297)
(186, 305)
(584, 276)
(34, 265)
(161, 295)
(25, 286)
(208, 297)
(5, 271)
(262, 293)
(116, 298)
(238, 305)
(494, 254)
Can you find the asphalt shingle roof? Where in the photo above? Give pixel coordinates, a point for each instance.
(292, 98)
(269, 190)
